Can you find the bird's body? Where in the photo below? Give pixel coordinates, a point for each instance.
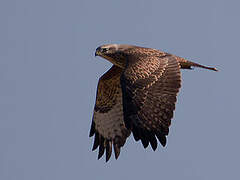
(138, 95)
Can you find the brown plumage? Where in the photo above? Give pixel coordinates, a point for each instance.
(138, 95)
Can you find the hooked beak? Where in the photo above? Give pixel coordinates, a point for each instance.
(97, 52)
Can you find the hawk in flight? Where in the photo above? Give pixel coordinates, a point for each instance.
(137, 94)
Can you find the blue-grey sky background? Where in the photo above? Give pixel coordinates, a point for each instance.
(48, 79)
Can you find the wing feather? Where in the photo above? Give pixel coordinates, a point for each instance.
(150, 85)
(108, 124)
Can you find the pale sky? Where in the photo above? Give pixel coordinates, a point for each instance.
(49, 75)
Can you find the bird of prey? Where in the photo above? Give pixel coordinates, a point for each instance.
(137, 94)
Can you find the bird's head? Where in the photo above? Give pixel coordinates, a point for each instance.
(115, 53)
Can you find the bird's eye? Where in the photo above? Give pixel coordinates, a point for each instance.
(104, 50)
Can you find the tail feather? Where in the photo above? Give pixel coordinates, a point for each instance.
(185, 64)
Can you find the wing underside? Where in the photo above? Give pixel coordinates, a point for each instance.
(108, 125)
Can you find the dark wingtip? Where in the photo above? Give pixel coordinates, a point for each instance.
(108, 150)
(136, 134)
(100, 151)
(145, 142)
(96, 142)
(153, 141)
(154, 146)
(92, 129)
(162, 138)
(164, 142)
(101, 148)
(116, 150)
(144, 138)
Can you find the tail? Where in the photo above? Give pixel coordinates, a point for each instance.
(185, 64)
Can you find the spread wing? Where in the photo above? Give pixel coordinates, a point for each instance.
(150, 85)
(108, 124)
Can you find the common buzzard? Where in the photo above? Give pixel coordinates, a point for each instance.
(137, 94)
